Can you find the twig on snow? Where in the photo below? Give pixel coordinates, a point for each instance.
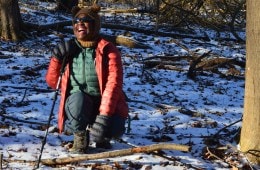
(216, 134)
(209, 154)
(23, 96)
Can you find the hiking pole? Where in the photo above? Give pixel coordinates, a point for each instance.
(52, 108)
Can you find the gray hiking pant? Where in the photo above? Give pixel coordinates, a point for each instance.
(81, 110)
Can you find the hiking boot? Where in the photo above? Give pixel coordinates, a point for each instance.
(80, 143)
(104, 145)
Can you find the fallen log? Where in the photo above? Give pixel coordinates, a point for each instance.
(41, 90)
(193, 64)
(115, 11)
(116, 153)
(20, 120)
(40, 27)
(131, 43)
(125, 41)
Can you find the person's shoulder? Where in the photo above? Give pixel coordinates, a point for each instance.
(104, 42)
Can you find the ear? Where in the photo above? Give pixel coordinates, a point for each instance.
(75, 10)
(95, 8)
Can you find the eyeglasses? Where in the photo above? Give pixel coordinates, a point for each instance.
(84, 20)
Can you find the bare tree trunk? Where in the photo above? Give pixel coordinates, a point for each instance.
(250, 134)
(11, 20)
(66, 5)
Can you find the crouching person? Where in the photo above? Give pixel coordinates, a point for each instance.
(91, 86)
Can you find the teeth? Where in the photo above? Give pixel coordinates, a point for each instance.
(81, 29)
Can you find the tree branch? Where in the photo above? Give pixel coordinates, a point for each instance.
(116, 153)
(20, 120)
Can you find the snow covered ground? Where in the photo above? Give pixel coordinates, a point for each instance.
(165, 105)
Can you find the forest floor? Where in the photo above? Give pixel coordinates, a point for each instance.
(170, 102)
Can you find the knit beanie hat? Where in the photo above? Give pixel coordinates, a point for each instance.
(92, 12)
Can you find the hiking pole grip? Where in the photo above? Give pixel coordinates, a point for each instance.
(52, 108)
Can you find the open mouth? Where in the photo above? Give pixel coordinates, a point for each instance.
(81, 30)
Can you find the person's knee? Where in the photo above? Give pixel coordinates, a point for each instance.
(77, 107)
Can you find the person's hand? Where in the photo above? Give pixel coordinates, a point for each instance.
(63, 49)
(100, 128)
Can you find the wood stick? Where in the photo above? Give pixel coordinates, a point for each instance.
(116, 153)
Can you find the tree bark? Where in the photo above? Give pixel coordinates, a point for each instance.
(250, 134)
(66, 5)
(11, 20)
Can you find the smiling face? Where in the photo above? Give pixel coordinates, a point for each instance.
(84, 28)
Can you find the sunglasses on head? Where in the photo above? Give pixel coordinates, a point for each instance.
(84, 20)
